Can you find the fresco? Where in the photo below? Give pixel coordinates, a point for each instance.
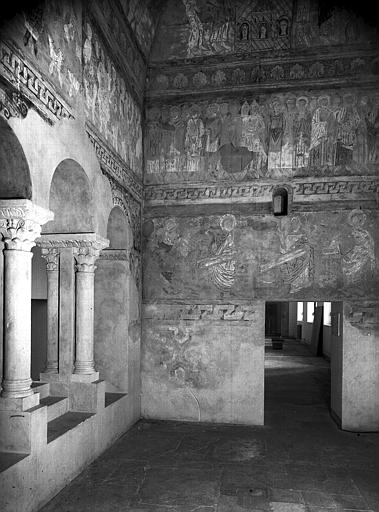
(237, 256)
(198, 28)
(50, 36)
(140, 15)
(108, 104)
(286, 135)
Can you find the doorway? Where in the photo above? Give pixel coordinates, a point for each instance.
(303, 344)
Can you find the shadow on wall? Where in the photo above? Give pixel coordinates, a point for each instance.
(15, 182)
(71, 200)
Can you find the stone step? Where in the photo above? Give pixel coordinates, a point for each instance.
(56, 406)
(43, 388)
(63, 424)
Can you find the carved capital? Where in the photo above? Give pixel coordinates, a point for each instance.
(51, 256)
(20, 223)
(85, 259)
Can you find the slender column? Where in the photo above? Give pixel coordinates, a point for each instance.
(52, 269)
(20, 225)
(85, 281)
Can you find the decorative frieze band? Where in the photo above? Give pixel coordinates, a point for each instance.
(117, 169)
(351, 188)
(226, 312)
(12, 105)
(198, 78)
(31, 84)
(114, 255)
(81, 241)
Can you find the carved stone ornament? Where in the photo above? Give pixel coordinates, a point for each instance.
(113, 165)
(12, 105)
(114, 255)
(20, 223)
(51, 255)
(21, 74)
(85, 259)
(73, 240)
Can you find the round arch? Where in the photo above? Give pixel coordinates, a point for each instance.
(15, 180)
(71, 200)
(118, 229)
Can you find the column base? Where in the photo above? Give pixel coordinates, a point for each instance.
(19, 404)
(49, 377)
(85, 377)
(87, 396)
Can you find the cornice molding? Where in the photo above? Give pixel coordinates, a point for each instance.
(304, 190)
(73, 240)
(114, 165)
(21, 75)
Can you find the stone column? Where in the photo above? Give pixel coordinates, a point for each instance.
(85, 257)
(52, 268)
(20, 225)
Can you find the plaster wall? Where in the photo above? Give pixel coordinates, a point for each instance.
(337, 359)
(360, 368)
(40, 476)
(203, 369)
(111, 322)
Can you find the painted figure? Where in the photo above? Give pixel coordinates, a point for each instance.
(221, 264)
(296, 255)
(320, 151)
(359, 261)
(276, 133)
(302, 133)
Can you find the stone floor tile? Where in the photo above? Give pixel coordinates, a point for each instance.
(298, 462)
(281, 506)
(184, 487)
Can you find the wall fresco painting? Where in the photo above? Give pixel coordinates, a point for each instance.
(229, 256)
(286, 135)
(109, 105)
(198, 28)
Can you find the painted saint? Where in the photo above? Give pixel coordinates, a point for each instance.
(302, 133)
(276, 133)
(359, 261)
(221, 264)
(320, 149)
(295, 261)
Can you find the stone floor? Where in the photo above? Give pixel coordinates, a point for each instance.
(298, 462)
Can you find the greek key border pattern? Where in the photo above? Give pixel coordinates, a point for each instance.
(226, 312)
(330, 189)
(24, 77)
(114, 165)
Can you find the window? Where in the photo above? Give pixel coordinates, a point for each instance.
(300, 311)
(327, 313)
(280, 202)
(310, 312)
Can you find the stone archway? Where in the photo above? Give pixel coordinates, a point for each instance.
(112, 301)
(15, 180)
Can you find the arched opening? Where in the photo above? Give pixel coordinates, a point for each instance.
(15, 181)
(118, 231)
(112, 302)
(70, 200)
(280, 202)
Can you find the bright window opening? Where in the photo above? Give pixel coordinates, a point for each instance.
(310, 312)
(300, 311)
(327, 313)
